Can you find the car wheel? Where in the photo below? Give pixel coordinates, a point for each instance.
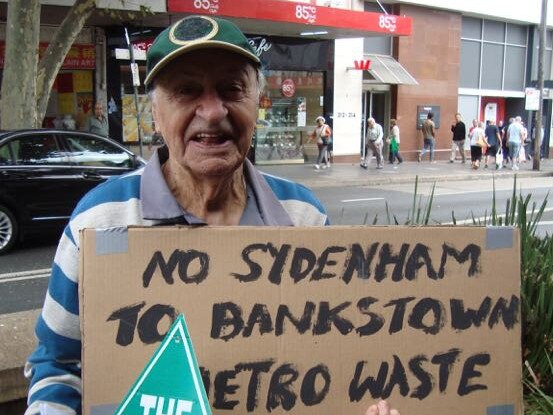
(8, 229)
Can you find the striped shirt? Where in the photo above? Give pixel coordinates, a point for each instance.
(139, 198)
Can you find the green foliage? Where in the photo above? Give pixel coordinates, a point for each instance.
(536, 267)
(537, 401)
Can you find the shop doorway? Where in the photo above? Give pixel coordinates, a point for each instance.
(375, 104)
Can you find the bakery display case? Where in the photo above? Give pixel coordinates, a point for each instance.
(279, 139)
(286, 116)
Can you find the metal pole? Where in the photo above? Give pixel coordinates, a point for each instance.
(541, 54)
(134, 68)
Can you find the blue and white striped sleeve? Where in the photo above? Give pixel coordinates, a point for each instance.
(54, 368)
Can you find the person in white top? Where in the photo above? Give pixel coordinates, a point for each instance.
(515, 135)
(323, 135)
(477, 141)
(393, 140)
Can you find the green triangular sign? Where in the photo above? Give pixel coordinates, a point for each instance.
(170, 383)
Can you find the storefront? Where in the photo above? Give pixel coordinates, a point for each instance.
(72, 95)
(306, 53)
(294, 96)
(125, 109)
(295, 71)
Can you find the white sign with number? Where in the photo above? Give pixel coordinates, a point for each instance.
(532, 99)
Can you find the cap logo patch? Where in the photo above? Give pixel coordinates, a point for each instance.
(193, 29)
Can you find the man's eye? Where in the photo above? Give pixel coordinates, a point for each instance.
(233, 91)
(187, 90)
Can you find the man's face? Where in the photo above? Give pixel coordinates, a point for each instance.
(205, 107)
(98, 110)
(371, 123)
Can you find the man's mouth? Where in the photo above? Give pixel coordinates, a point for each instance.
(210, 139)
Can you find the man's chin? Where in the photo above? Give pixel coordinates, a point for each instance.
(213, 168)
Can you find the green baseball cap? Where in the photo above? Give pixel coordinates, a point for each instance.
(193, 33)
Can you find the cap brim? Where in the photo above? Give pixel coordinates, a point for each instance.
(206, 44)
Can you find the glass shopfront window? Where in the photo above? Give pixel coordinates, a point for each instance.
(286, 116)
(128, 113)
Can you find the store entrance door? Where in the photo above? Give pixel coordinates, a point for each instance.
(375, 104)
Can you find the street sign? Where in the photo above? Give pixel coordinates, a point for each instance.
(532, 102)
(171, 382)
(135, 74)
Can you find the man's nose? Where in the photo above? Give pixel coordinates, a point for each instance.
(211, 107)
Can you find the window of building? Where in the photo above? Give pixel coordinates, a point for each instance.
(129, 107)
(470, 64)
(494, 31)
(287, 111)
(472, 28)
(492, 62)
(493, 54)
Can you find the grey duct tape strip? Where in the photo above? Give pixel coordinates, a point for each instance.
(500, 410)
(499, 237)
(108, 409)
(112, 241)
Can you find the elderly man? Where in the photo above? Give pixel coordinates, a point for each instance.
(515, 138)
(98, 123)
(374, 144)
(205, 83)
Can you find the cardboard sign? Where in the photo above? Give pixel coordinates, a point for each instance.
(310, 320)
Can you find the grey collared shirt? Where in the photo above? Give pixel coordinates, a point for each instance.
(158, 203)
(97, 126)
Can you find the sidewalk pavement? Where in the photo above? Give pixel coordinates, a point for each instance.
(353, 175)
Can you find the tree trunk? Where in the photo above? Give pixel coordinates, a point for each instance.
(54, 56)
(20, 65)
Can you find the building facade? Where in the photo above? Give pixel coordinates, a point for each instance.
(476, 58)
(344, 59)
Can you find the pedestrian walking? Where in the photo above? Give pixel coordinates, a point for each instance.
(374, 144)
(429, 137)
(525, 145)
(394, 140)
(459, 131)
(477, 142)
(323, 135)
(514, 140)
(494, 142)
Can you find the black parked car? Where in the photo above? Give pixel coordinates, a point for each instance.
(44, 173)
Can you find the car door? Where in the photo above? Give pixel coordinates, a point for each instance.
(37, 178)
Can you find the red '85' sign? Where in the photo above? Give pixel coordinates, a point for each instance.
(288, 88)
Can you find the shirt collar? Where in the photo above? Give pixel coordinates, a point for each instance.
(158, 203)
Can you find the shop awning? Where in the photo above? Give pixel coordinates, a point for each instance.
(386, 70)
(286, 18)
